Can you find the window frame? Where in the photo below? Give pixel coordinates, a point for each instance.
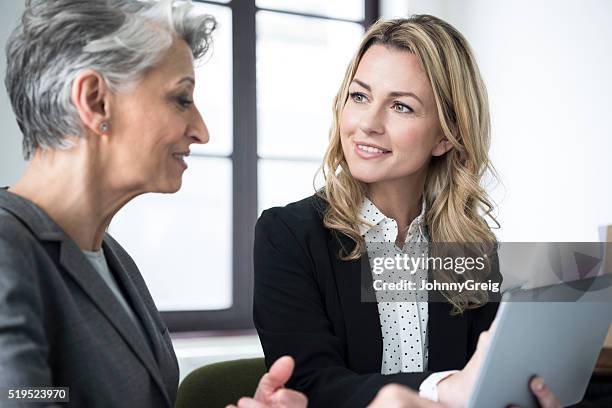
(245, 160)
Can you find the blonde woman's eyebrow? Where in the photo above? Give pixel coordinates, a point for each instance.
(362, 84)
(393, 94)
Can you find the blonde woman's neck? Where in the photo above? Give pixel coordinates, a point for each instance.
(400, 200)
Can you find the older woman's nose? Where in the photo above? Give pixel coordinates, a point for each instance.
(198, 131)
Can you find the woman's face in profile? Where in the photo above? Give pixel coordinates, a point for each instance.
(389, 126)
(154, 123)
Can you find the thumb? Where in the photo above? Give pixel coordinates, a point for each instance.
(281, 371)
(279, 374)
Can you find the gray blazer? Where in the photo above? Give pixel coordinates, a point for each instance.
(60, 324)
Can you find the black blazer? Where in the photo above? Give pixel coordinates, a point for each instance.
(307, 304)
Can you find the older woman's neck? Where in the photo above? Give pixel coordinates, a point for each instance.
(74, 191)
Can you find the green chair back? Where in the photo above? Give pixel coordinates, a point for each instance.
(216, 385)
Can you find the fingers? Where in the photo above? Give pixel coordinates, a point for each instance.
(493, 325)
(472, 368)
(482, 347)
(249, 403)
(289, 398)
(282, 398)
(279, 374)
(544, 394)
(485, 336)
(483, 340)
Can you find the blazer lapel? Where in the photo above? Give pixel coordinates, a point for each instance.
(77, 266)
(361, 317)
(447, 334)
(124, 273)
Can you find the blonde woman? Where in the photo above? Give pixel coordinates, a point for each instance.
(408, 148)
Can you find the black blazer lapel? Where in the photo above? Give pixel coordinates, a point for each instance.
(447, 335)
(364, 339)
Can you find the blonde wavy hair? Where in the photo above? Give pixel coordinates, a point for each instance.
(457, 205)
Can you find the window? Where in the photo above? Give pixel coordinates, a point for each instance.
(265, 92)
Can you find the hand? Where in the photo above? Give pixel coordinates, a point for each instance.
(543, 393)
(455, 390)
(398, 396)
(271, 393)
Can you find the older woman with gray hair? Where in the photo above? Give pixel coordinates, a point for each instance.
(103, 94)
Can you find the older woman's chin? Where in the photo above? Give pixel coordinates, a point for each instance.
(174, 188)
(167, 187)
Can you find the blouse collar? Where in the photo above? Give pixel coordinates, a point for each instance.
(374, 216)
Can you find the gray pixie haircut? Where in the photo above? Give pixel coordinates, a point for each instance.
(120, 39)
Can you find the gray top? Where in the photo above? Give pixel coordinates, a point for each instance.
(98, 260)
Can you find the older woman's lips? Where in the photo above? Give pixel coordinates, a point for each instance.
(180, 157)
(369, 152)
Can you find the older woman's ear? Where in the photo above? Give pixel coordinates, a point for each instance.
(90, 96)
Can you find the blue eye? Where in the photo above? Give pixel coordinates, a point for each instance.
(357, 97)
(401, 108)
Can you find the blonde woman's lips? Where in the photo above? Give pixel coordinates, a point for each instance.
(366, 151)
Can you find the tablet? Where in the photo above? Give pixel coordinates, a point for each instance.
(556, 332)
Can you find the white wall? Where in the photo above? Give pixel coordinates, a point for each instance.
(547, 66)
(11, 160)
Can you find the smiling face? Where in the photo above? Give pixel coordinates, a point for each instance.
(154, 123)
(389, 126)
